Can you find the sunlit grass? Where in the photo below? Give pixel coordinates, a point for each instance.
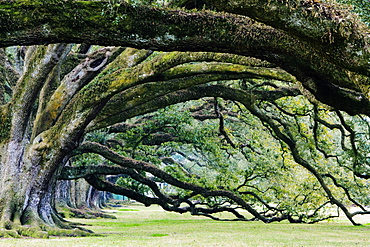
(141, 226)
(127, 209)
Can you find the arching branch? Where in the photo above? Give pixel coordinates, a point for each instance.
(143, 166)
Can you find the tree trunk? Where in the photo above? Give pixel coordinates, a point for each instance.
(27, 183)
(78, 194)
(79, 199)
(30, 162)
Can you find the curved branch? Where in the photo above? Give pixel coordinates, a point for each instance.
(327, 25)
(222, 124)
(135, 164)
(157, 98)
(76, 172)
(345, 190)
(102, 185)
(81, 75)
(41, 62)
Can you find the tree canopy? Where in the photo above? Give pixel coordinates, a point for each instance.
(282, 134)
(330, 51)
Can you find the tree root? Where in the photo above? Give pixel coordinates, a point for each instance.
(42, 231)
(83, 213)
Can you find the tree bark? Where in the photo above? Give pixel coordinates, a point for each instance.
(25, 176)
(78, 194)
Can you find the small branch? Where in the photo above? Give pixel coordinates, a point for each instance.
(345, 190)
(222, 124)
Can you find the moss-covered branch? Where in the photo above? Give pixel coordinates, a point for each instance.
(178, 96)
(140, 95)
(328, 26)
(81, 75)
(41, 62)
(322, 68)
(72, 173)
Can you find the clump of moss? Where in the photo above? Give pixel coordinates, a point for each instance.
(33, 232)
(36, 232)
(83, 213)
(8, 225)
(5, 123)
(88, 214)
(65, 212)
(8, 234)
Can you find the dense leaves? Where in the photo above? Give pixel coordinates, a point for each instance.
(361, 7)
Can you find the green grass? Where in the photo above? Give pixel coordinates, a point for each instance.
(159, 235)
(154, 227)
(127, 209)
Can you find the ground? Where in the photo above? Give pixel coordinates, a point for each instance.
(137, 225)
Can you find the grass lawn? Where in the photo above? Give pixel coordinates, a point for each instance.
(140, 226)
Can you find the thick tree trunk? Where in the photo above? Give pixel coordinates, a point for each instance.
(27, 183)
(29, 162)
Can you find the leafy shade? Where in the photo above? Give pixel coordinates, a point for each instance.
(278, 159)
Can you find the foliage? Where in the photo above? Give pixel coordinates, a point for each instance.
(132, 184)
(362, 7)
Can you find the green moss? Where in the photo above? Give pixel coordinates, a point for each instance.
(127, 209)
(5, 123)
(9, 234)
(69, 64)
(159, 235)
(8, 225)
(33, 232)
(65, 212)
(43, 233)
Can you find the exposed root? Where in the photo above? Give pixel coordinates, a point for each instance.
(67, 229)
(36, 232)
(84, 213)
(8, 233)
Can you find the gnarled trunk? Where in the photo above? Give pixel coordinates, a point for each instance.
(28, 179)
(32, 149)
